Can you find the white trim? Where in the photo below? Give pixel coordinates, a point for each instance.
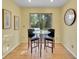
(10, 50)
(70, 51)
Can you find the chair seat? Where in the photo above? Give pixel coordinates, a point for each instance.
(48, 38)
(34, 38)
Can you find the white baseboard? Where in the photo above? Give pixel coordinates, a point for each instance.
(70, 51)
(10, 50)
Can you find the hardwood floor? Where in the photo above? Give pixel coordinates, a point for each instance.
(22, 52)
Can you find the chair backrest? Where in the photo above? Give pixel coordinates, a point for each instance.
(30, 33)
(52, 32)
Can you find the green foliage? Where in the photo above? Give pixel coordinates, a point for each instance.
(41, 22)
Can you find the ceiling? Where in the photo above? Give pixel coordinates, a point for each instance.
(41, 3)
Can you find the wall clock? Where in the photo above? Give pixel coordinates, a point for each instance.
(70, 17)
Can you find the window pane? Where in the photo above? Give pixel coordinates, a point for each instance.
(46, 20)
(34, 19)
(40, 20)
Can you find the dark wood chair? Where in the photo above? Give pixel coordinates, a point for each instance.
(32, 39)
(49, 39)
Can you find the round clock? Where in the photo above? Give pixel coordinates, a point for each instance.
(70, 17)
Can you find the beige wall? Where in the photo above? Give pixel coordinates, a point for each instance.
(69, 33)
(10, 37)
(56, 21)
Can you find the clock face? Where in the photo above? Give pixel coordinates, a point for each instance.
(70, 17)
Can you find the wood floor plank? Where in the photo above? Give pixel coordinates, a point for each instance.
(22, 52)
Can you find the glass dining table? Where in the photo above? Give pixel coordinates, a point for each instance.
(41, 34)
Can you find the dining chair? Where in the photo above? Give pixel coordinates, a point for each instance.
(49, 39)
(32, 39)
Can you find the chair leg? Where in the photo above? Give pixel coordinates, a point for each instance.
(28, 43)
(34, 43)
(31, 46)
(52, 47)
(44, 44)
(47, 43)
(54, 43)
(38, 44)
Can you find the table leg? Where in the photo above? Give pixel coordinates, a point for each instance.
(40, 45)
